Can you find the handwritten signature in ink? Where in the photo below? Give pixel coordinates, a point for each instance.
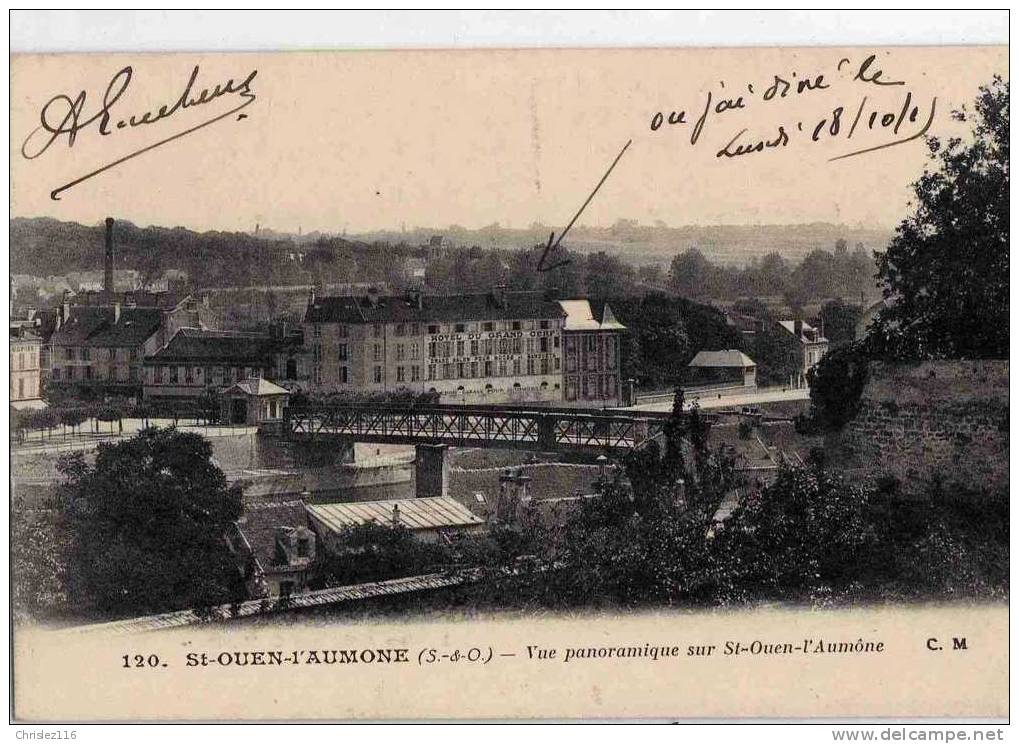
(64, 117)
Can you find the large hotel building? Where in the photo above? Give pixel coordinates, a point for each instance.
(498, 347)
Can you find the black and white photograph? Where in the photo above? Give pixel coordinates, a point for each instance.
(506, 342)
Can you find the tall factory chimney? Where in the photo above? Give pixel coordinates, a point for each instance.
(108, 262)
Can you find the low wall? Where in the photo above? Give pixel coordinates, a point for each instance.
(946, 420)
(326, 485)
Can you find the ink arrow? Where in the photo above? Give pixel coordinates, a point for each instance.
(549, 246)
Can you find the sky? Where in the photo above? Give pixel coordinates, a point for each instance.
(359, 141)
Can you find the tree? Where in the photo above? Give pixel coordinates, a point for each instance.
(373, 552)
(808, 531)
(776, 353)
(651, 275)
(836, 385)
(946, 268)
(111, 413)
(690, 274)
(148, 522)
(73, 417)
(642, 541)
(752, 307)
(664, 333)
(839, 320)
(38, 561)
(608, 276)
(209, 405)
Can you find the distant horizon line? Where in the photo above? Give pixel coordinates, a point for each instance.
(458, 228)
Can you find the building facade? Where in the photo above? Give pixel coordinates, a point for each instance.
(196, 359)
(103, 346)
(592, 354)
(807, 346)
(26, 368)
(499, 347)
(725, 367)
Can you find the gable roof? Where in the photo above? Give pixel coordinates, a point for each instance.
(790, 325)
(88, 325)
(723, 358)
(585, 315)
(390, 309)
(201, 345)
(415, 514)
(256, 386)
(133, 297)
(260, 521)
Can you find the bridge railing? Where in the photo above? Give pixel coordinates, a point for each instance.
(536, 427)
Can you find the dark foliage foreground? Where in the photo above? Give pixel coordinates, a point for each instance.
(139, 532)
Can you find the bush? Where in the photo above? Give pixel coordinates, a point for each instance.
(836, 386)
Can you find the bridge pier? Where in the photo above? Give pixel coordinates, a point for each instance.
(431, 470)
(546, 432)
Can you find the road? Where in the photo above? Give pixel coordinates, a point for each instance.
(92, 432)
(727, 399)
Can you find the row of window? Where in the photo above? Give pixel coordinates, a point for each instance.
(591, 363)
(591, 387)
(22, 388)
(25, 360)
(447, 349)
(218, 375)
(488, 368)
(98, 354)
(489, 347)
(453, 371)
(414, 329)
(591, 343)
(87, 373)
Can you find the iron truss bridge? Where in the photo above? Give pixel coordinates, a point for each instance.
(543, 429)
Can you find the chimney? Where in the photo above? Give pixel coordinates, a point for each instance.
(311, 297)
(499, 293)
(108, 263)
(396, 515)
(414, 298)
(798, 328)
(514, 498)
(116, 312)
(65, 307)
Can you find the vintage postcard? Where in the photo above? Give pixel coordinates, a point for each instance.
(560, 384)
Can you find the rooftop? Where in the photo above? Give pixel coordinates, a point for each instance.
(809, 334)
(136, 298)
(260, 521)
(88, 325)
(404, 308)
(723, 358)
(257, 386)
(414, 514)
(582, 316)
(199, 344)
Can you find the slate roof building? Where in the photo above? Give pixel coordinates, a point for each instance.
(592, 356)
(275, 548)
(496, 347)
(807, 344)
(198, 358)
(431, 519)
(103, 347)
(253, 401)
(101, 338)
(724, 366)
(26, 378)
